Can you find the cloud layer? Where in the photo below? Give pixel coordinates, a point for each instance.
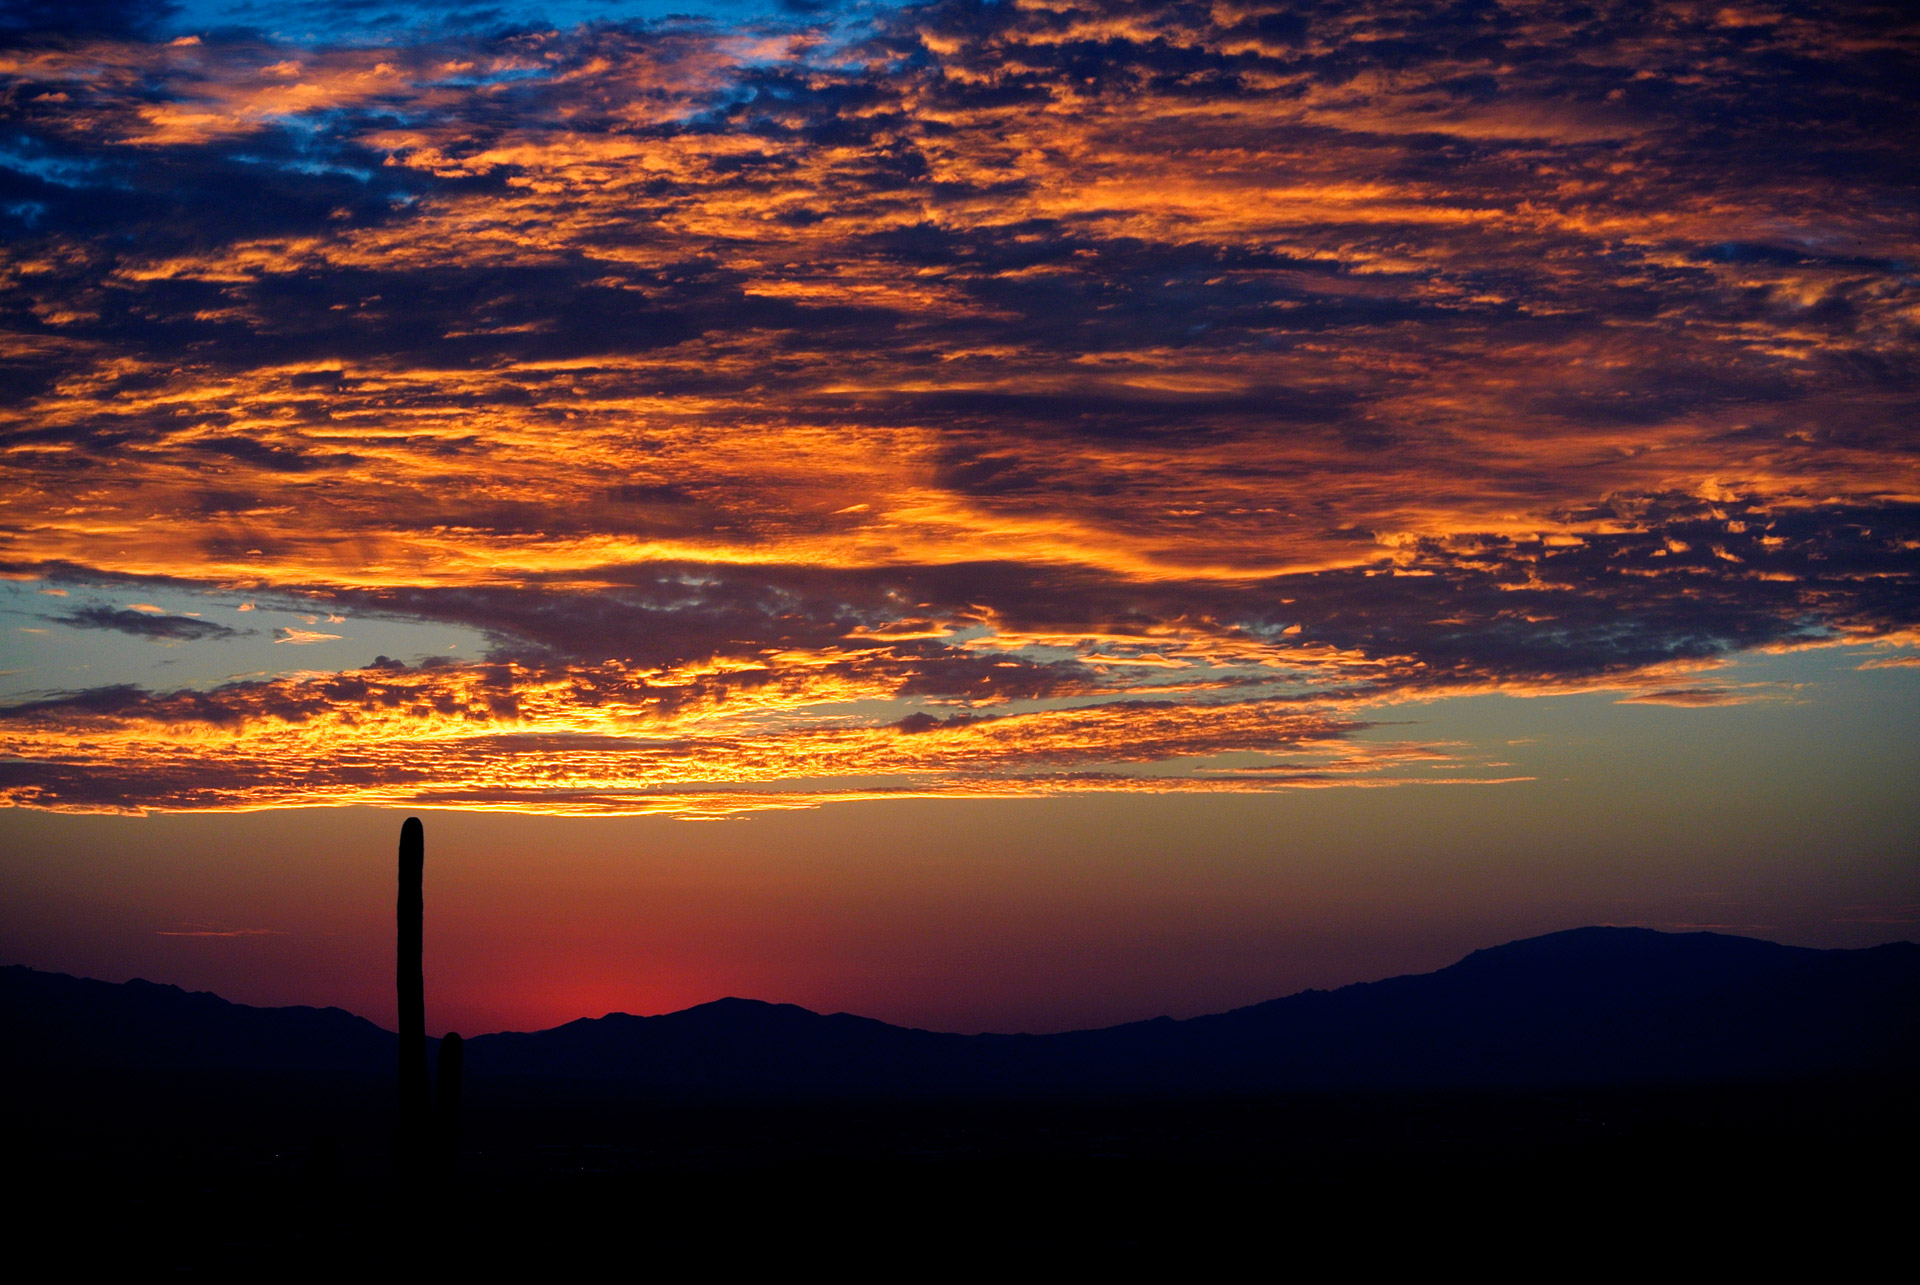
(1010, 397)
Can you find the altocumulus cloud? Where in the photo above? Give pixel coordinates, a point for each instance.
(990, 399)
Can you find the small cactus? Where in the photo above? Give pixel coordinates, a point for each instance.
(446, 1100)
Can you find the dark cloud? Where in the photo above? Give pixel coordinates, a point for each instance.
(141, 624)
(25, 20)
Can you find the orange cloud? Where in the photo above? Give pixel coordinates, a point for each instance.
(776, 393)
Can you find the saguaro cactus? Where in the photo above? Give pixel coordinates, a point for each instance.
(415, 1103)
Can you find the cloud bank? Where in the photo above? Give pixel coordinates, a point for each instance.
(1006, 397)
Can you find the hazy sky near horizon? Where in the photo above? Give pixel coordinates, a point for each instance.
(1139, 416)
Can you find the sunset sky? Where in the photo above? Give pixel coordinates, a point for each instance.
(1102, 508)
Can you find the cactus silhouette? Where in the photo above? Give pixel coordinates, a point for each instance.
(415, 1104)
(446, 1100)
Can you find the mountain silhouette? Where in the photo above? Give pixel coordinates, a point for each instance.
(1591, 1006)
(55, 1022)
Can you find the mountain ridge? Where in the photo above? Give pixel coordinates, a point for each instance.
(1587, 1005)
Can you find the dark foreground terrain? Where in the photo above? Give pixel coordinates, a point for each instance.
(1810, 1174)
(1603, 1098)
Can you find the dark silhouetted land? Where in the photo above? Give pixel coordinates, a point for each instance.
(1601, 1076)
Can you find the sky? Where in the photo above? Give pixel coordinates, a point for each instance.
(1101, 509)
